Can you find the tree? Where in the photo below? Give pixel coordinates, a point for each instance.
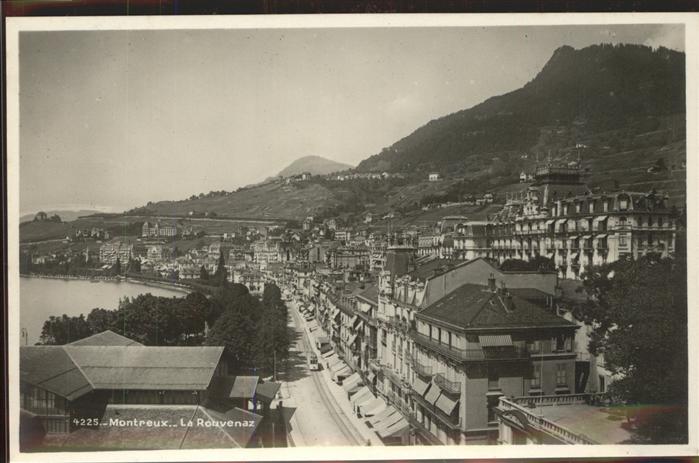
(134, 266)
(99, 320)
(221, 274)
(64, 329)
(638, 311)
(203, 274)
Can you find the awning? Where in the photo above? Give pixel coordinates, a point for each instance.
(354, 319)
(603, 235)
(560, 221)
(396, 429)
(550, 221)
(376, 407)
(342, 373)
(420, 386)
(338, 366)
(367, 405)
(364, 401)
(601, 218)
(328, 354)
(333, 359)
(360, 394)
(370, 376)
(586, 237)
(360, 326)
(352, 339)
(433, 394)
(382, 415)
(575, 256)
(498, 340)
(388, 422)
(446, 404)
(573, 238)
(351, 381)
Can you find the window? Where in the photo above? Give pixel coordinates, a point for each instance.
(660, 221)
(605, 206)
(602, 386)
(536, 379)
(577, 207)
(591, 206)
(535, 347)
(623, 203)
(493, 380)
(493, 402)
(650, 220)
(561, 375)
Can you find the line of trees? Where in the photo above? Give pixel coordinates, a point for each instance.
(253, 330)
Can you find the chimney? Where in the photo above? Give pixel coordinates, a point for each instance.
(491, 283)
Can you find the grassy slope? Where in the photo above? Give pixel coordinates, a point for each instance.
(272, 200)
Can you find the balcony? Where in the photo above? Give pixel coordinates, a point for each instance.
(470, 355)
(453, 422)
(453, 387)
(527, 406)
(422, 370)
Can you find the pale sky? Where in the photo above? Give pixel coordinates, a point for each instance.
(114, 119)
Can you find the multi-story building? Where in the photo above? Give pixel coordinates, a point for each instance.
(158, 230)
(559, 218)
(452, 337)
(110, 252)
(346, 257)
(267, 251)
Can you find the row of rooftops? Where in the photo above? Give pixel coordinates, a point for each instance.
(110, 361)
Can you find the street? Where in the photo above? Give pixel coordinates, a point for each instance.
(308, 404)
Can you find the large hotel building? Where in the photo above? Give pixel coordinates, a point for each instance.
(559, 218)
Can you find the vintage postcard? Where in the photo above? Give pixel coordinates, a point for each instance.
(344, 237)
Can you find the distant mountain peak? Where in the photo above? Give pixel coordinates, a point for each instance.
(316, 165)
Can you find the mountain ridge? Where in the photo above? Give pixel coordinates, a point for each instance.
(315, 165)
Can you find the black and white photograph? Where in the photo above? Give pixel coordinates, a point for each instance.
(351, 235)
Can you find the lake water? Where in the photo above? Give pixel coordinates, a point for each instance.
(42, 297)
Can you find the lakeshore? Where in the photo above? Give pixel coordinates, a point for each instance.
(44, 296)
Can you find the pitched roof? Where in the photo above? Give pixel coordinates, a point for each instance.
(72, 370)
(147, 367)
(106, 338)
(474, 306)
(51, 368)
(267, 390)
(244, 387)
(432, 268)
(370, 295)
